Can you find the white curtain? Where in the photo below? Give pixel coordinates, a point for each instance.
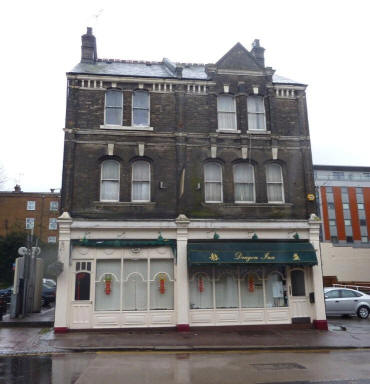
(113, 107)
(213, 182)
(251, 290)
(141, 181)
(109, 189)
(201, 288)
(226, 287)
(108, 301)
(141, 108)
(274, 291)
(256, 113)
(135, 285)
(274, 179)
(244, 182)
(161, 270)
(226, 112)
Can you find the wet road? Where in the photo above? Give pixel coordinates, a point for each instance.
(334, 367)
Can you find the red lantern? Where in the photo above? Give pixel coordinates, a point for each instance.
(200, 284)
(162, 288)
(108, 281)
(251, 284)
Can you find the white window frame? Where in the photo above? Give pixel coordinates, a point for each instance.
(257, 113)
(133, 181)
(53, 224)
(54, 205)
(232, 97)
(275, 182)
(105, 108)
(132, 109)
(29, 221)
(31, 205)
(253, 182)
(214, 182)
(116, 180)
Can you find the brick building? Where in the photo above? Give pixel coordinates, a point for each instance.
(30, 210)
(187, 195)
(344, 196)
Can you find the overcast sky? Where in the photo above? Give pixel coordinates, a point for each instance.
(324, 44)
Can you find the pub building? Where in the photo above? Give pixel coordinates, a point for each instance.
(187, 196)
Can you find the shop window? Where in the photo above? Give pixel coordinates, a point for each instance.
(82, 280)
(109, 183)
(298, 284)
(274, 179)
(244, 183)
(135, 293)
(201, 288)
(107, 285)
(161, 284)
(226, 288)
(251, 290)
(275, 290)
(141, 181)
(213, 182)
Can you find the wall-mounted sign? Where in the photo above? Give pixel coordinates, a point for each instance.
(311, 197)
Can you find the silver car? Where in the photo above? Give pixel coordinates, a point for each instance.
(345, 301)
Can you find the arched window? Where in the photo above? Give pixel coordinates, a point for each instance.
(244, 183)
(140, 181)
(113, 107)
(109, 182)
(274, 180)
(140, 108)
(226, 111)
(82, 280)
(213, 182)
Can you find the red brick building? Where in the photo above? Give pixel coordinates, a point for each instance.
(26, 210)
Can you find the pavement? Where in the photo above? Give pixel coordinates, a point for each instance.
(343, 333)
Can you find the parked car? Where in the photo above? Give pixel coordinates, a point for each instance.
(47, 294)
(6, 294)
(345, 301)
(50, 282)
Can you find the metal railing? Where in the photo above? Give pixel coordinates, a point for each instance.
(356, 287)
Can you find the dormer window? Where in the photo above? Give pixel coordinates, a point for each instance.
(113, 107)
(256, 113)
(226, 110)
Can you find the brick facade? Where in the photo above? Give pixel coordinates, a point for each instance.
(13, 213)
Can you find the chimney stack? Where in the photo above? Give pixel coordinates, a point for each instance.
(17, 188)
(258, 52)
(88, 47)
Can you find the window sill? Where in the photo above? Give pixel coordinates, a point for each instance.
(258, 132)
(124, 203)
(127, 128)
(228, 130)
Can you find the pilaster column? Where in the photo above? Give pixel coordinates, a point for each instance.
(63, 295)
(320, 321)
(182, 280)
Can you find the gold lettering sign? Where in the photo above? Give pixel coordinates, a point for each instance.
(214, 257)
(296, 257)
(239, 256)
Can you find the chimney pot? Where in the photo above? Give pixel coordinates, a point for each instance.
(17, 188)
(88, 47)
(258, 52)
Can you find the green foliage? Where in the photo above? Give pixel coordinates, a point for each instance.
(9, 245)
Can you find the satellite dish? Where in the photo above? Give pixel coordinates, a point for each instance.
(22, 251)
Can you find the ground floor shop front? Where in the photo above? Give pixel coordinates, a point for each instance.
(188, 273)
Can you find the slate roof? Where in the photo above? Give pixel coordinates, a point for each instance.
(151, 69)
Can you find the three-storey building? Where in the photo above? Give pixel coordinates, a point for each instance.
(187, 195)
